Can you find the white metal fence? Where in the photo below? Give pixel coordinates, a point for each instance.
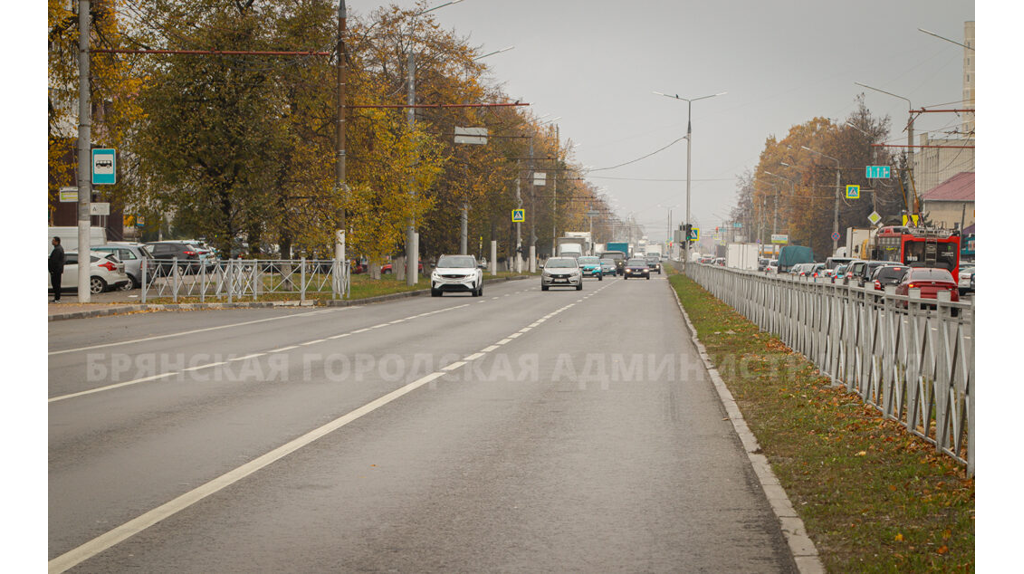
(911, 358)
(243, 279)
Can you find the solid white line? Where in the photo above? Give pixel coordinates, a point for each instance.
(252, 356)
(206, 366)
(109, 387)
(313, 342)
(157, 337)
(104, 541)
(339, 336)
(361, 331)
(283, 349)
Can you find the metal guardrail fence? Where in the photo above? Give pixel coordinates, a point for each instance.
(911, 358)
(240, 279)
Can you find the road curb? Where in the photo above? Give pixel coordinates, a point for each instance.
(108, 311)
(805, 554)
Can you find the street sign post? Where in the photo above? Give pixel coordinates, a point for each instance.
(518, 215)
(835, 236)
(69, 195)
(780, 238)
(853, 192)
(874, 218)
(694, 234)
(99, 209)
(877, 172)
(539, 178)
(104, 166)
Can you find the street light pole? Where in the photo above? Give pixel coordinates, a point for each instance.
(835, 220)
(84, 161)
(910, 136)
(689, 146)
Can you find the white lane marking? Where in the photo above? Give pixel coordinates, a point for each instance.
(493, 298)
(104, 541)
(515, 335)
(361, 331)
(339, 336)
(313, 342)
(192, 332)
(252, 356)
(488, 349)
(454, 366)
(525, 329)
(206, 366)
(473, 357)
(109, 387)
(283, 349)
(503, 341)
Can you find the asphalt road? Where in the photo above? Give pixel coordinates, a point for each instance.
(517, 432)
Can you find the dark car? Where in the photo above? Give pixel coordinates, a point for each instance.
(930, 280)
(164, 253)
(653, 263)
(885, 275)
(620, 260)
(637, 268)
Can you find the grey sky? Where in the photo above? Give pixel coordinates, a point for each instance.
(595, 63)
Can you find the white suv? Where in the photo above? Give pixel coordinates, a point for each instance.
(456, 273)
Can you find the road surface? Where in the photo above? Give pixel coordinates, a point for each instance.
(520, 431)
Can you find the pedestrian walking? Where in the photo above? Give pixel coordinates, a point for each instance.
(56, 266)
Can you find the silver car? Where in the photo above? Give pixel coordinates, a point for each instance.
(132, 255)
(561, 272)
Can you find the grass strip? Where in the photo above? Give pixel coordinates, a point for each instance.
(872, 497)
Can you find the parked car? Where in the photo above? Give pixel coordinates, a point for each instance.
(930, 280)
(386, 268)
(132, 255)
(561, 272)
(965, 280)
(889, 274)
(105, 272)
(164, 253)
(591, 266)
(608, 267)
(456, 273)
(654, 263)
(637, 268)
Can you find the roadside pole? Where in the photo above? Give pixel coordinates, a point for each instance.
(84, 159)
(339, 239)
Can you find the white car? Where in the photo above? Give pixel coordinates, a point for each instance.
(105, 272)
(561, 272)
(456, 273)
(964, 280)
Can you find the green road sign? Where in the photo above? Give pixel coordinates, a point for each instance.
(876, 172)
(853, 192)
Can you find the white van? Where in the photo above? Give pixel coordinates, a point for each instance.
(69, 238)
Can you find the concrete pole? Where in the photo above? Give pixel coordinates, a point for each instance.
(835, 218)
(689, 145)
(411, 251)
(84, 152)
(533, 259)
(339, 241)
(494, 258)
(554, 193)
(464, 240)
(519, 226)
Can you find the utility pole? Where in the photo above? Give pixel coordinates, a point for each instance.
(340, 234)
(84, 147)
(554, 189)
(411, 241)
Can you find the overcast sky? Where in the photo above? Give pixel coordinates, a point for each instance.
(596, 63)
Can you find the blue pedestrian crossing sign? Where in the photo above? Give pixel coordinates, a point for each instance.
(853, 192)
(518, 215)
(104, 166)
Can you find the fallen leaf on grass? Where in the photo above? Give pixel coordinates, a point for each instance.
(862, 453)
(899, 537)
(943, 549)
